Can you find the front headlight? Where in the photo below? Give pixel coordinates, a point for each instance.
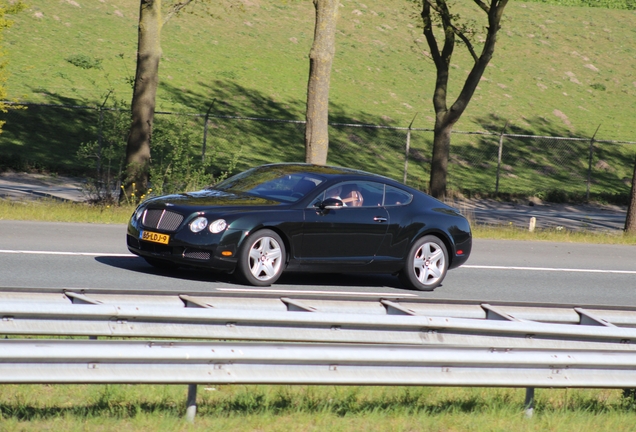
(198, 224)
(217, 226)
(139, 212)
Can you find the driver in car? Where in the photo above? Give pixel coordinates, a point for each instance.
(350, 198)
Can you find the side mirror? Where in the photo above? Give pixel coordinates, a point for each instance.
(331, 204)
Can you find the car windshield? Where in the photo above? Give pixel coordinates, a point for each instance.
(274, 183)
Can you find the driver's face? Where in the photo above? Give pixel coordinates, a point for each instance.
(334, 192)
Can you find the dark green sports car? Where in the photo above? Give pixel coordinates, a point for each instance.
(301, 217)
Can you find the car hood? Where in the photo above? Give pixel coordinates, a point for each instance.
(211, 198)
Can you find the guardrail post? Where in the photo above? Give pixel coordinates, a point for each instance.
(529, 404)
(191, 410)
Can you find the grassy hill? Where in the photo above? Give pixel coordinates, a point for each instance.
(556, 70)
(577, 61)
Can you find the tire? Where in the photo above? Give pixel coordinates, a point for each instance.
(262, 258)
(426, 264)
(161, 264)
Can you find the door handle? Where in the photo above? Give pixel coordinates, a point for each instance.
(379, 219)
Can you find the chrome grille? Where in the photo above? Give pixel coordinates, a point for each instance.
(162, 219)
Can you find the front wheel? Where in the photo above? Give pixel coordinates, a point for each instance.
(426, 264)
(262, 258)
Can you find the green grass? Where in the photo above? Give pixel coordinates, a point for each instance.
(511, 232)
(253, 65)
(314, 408)
(556, 71)
(48, 210)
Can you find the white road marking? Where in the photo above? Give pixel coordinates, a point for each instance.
(480, 267)
(65, 253)
(548, 269)
(278, 291)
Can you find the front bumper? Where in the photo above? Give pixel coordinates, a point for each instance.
(206, 250)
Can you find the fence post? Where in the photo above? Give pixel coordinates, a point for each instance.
(205, 130)
(191, 404)
(529, 403)
(501, 135)
(589, 165)
(100, 142)
(408, 149)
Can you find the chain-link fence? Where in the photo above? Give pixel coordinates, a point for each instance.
(480, 162)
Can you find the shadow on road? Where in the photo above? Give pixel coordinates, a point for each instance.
(139, 265)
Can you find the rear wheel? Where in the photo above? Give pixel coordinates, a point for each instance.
(426, 264)
(262, 258)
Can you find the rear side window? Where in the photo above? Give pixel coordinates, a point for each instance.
(395, 197)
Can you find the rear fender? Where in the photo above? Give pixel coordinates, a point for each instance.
(448, 242)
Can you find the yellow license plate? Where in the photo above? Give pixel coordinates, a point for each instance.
(155, 237)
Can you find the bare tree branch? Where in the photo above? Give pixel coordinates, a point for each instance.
(176, 9)
(457, 31)
(469, 45)
(482, 5)
(434, 6)
(428, 33)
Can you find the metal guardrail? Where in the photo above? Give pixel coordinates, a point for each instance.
(262, 319)
(312, 341)
(63, 361)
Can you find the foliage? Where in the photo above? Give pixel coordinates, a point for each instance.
(175, 166)
(85, 62)
(108, 154)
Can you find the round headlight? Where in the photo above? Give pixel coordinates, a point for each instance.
(217, 226)
(198, 224)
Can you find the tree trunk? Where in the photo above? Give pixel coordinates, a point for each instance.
(320, 61)
(441, 154)
(630, 221)
(445, 118)
(136, 174)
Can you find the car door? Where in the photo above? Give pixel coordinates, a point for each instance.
(351, 234)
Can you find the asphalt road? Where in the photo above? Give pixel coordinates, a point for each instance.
(94, 257)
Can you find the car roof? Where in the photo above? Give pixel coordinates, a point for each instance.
(325, 170)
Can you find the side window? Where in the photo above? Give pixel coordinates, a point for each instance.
(357, 193)
(372, 193)
(289, 188)
(394, 196)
